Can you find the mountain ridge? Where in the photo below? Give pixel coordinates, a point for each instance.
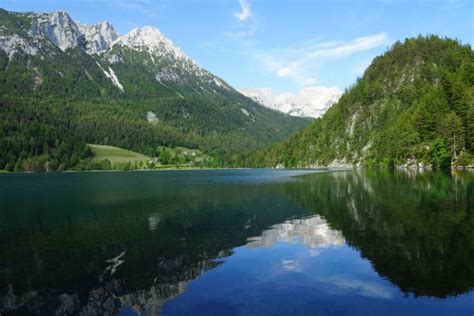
(308, 102)
(100, 88)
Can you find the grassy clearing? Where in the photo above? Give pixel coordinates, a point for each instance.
(116, 154)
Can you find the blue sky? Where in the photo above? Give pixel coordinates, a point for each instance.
(284, 45)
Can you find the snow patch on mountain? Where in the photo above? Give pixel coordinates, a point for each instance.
(112, 76)
(308, 102)
(114, 79)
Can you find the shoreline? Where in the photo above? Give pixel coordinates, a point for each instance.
(169, 169)
(320, 168)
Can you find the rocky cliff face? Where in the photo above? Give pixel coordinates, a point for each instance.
(57, 28)
(62, 31)
(98, 37)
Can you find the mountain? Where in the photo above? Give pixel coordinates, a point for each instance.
(163, 66)
(412, 108)
(98, 37)
(309, 102)
(64, 84)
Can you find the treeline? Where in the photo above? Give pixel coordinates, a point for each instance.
(33, 139)
(413, 105)
(37, 136)
(51, 135)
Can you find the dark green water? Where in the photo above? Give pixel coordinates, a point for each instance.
(237, 242)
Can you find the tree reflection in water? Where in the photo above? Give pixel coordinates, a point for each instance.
(94, 244)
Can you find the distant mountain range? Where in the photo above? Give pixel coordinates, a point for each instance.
(308, 102)
(67, 84)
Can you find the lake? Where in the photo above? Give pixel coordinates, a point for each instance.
(237, 242)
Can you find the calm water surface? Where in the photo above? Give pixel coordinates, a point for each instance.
(237, 242)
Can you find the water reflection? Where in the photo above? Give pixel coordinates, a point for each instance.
(153, 221)
(247, 242)
(418, 231)
(98, 243)
(313, 232)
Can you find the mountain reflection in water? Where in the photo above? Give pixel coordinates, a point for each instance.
(237, 242)
(313, 232)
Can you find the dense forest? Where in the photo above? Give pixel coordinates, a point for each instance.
(54, 101)
(52, 135)
(414, 106)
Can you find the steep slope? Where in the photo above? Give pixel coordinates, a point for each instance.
(308, 102)
(67, 84)
(413, 107)
(161, 63)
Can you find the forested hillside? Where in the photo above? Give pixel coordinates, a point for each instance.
(414, 106)
(65, 84)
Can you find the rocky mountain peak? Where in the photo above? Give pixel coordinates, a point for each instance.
(165, 60)
(98, 37)
(150, 39)
(59, 28)
(61, 31)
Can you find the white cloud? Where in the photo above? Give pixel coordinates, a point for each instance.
(244, 32)
(245, 13)
(345, 283)
(283, 72)
(334, 50)
(300, 62)
(290, 265)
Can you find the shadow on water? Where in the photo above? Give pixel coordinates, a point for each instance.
(94, 243)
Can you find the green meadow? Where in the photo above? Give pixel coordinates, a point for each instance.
(116, 155)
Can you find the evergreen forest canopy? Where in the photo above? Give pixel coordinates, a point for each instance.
(414, 105)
